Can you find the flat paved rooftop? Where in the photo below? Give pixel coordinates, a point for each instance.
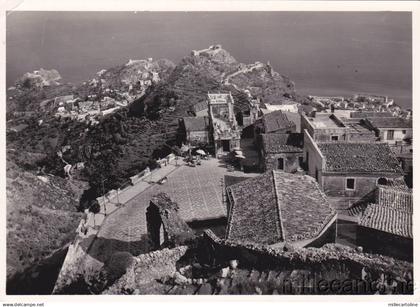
(197, 190)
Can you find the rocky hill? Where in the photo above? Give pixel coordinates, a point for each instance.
(40, 92)
(213, 69)
(124, 142)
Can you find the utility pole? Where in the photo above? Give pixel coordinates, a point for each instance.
(118, 196)
(103, 193)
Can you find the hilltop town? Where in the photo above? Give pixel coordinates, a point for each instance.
(216, 177)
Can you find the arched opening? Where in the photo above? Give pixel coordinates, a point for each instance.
(154, 226)
(382, 181)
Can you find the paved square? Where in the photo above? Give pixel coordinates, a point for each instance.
(197, 190)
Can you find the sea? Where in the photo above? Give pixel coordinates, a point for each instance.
(324, 53)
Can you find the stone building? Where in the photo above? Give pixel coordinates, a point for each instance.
(386, 222)
(388, 231)
(195, 130)
(392, 130)
(274, 122)
(281, 151)
(347, 171)
(278, 208)
(324, 127)
(164, 225)
(224, 129)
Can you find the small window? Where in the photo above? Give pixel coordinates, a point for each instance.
(404, 131)
(350, 183)
(390, 135)
(280, 164)
(334, 138)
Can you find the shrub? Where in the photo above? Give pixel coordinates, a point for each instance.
(95, 207)
(117, 265)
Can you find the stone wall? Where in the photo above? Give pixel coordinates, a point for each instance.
(291, 161)
(384, 243)
(335, 185)
(261, 257)
(312, 157)
(147, 269)
(197, 137)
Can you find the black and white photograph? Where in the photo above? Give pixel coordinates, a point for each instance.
(237, 152)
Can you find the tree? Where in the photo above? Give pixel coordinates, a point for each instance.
(94, 208)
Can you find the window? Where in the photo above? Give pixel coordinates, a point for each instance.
(316, 175)
(404, 131)
(280, 164)
(390, 135)
(350, 183)
(382, 181)
(334, 138)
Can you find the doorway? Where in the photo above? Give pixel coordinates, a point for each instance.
(226, 145)
(280, 163)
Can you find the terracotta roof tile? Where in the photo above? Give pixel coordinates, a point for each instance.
(254, 215)
(277, 207)
(396, 198)
(359, 157)
(276, 120)
(282, 142)
(390, 122)
(364, 114)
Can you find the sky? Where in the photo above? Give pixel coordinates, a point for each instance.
(324, 53)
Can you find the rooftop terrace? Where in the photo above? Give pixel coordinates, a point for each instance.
(325, 120)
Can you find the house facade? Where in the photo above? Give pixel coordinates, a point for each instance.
(325, 127)
(282, 152)
(392, 130)
(195, 130)
(348, 171)
(224, 130)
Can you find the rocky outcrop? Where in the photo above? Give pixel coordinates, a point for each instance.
(39, 78)
(212, 70)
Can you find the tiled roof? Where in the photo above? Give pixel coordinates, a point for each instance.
(254, 216)
(196, 123)
(395, 194)
(390, 122)
(396, 198)
(359, 157)
(388, 219)
(362, 114)
(277, 207)
(276, 120)
(230, 180)
(282, 142)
